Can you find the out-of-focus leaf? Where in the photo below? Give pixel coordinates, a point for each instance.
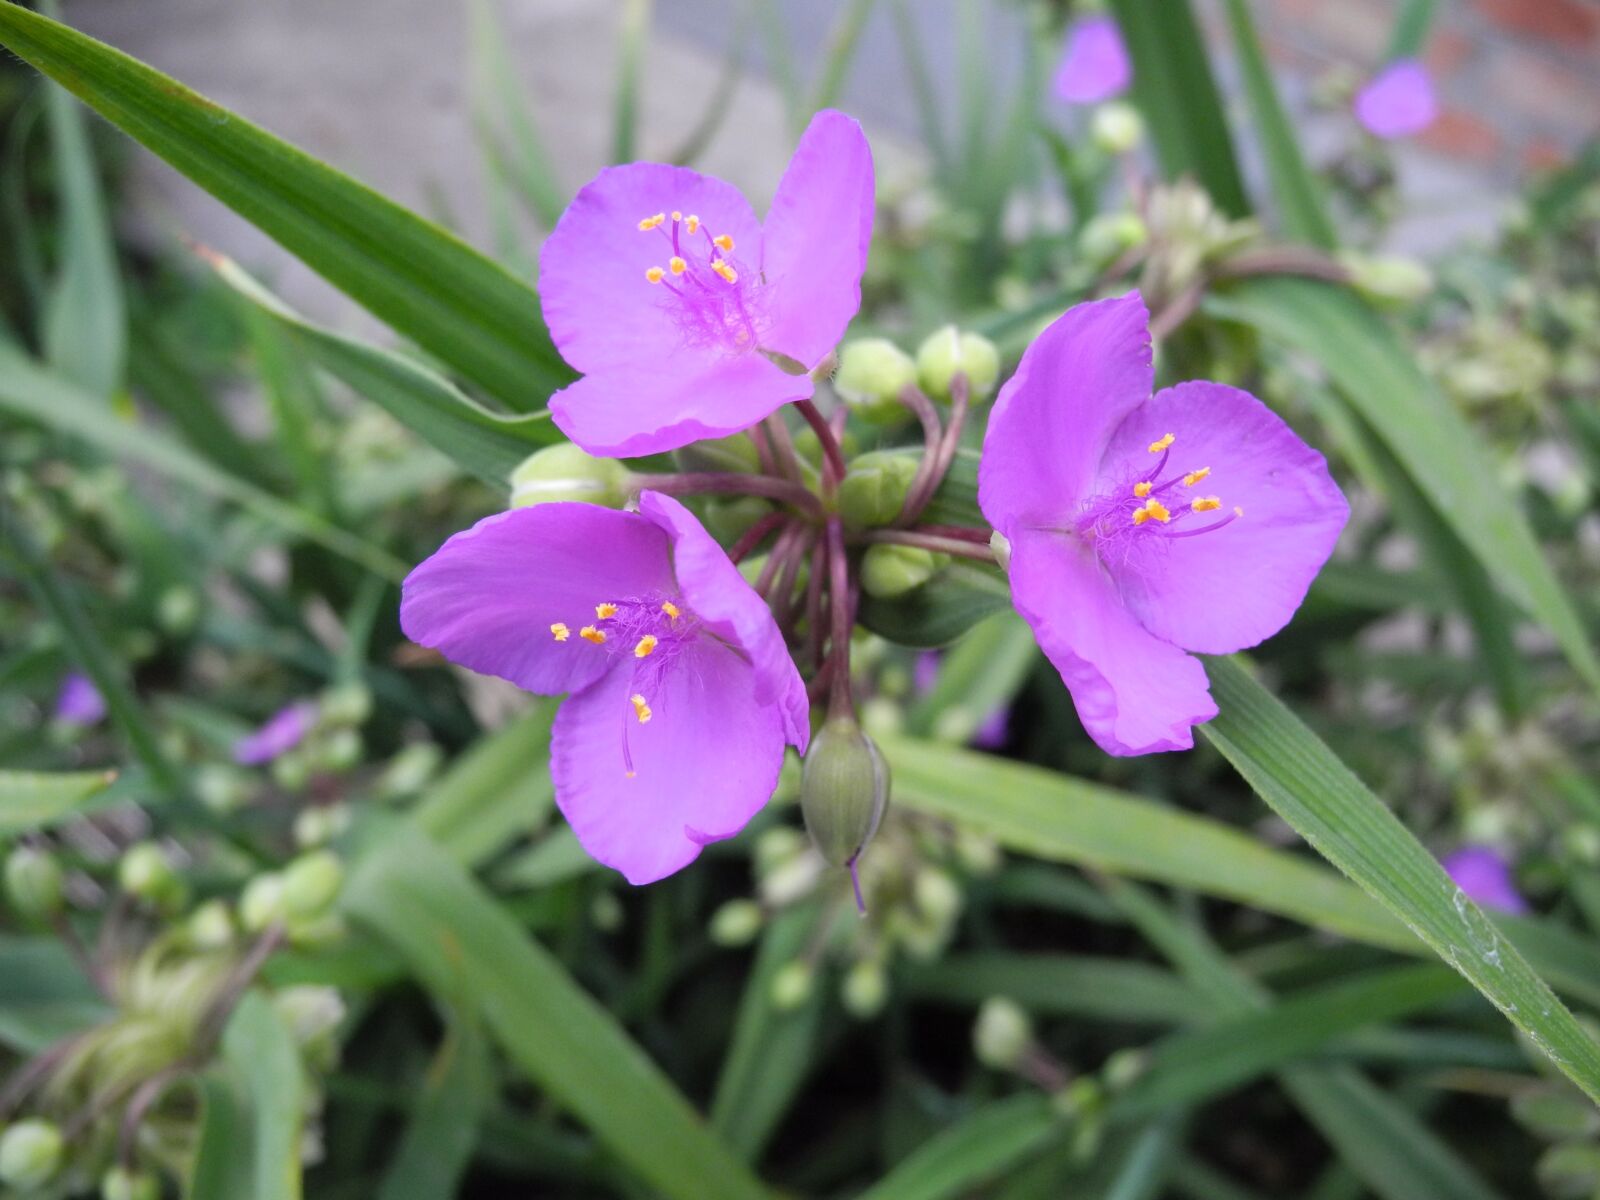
(44, 995)
(843, 40)
(1411, 29)
(37, 800)
(941, 610)
(1427, 435)
(554, 858)
(260, 1051)
(437, 1144)
(979, 1148)
(1073, 985)
(221, 1170)
(498, 102)
(459, 940)
(428, 285)
(1310, 788)
(980, 673)
(1172, 85)
(631, 41)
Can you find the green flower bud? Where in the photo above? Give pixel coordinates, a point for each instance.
(311, 884)
(320, 824)
(606, 912)
(728, 517)
(791, 985)
(178, 609)
(1002, 1033)
(875, 487)
(410, 770)
(1388, 280)
(872, 374)
(865, 989)
(262, 902)
(311, 1011)
(210, 927)
(809, 446)
(844, 790)
(33, 882)
(1108, 235)
(888, 571)
(736, 923)
(292, 771)
(1555, 1112)
(1124, 1068)
(30, 1154)
(1117, 127)
(346, 704)
(735, 453)
(937, 895)
(338, 751)
(565, 472)
(951, 351)
(882, 717)
(778, 845)
(1569, 1169)
(145, 874)
(120, 1183)
(221, 789)
(316, 933)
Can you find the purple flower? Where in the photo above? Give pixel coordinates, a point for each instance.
(1122, 558)
(660, 285)
(1094, 64)
(991, 733)
(682, 693)
(1398, 101)
(1486, 878)
(79, 702)
(283, 731)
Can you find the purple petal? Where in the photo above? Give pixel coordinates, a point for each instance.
(1399, 100)
(283, 731)
(488, 597)
(1486, 878)
(681, 399)
(1222, 591)
(720, 598)
(1095, 64)
(1135, 693)
(79, 702)
(602, 311)
(704, 764)
(925, 671)
(817, 234)
(1053, 418)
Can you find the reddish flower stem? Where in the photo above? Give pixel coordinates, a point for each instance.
(962, 533)
(820, 571)
(840, 703)
(781, 550)
(788, 462)
(755, 535)
(832, 455)
(961, 548)
(731, 482)
(914, 399)
(783, 597)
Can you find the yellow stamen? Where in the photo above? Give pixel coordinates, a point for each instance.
(727, 272)
(1151, 510)
(640, 708)
(646, 645)
(723, 242)
(692, 224)
(1142, 488)
(649, 223)
(605, 609)
(1158, 446)
(1206, 504)
(671, 609)
(1194, 477)
(590, 634)
(677, 264)
(561, 631)
(655, 274)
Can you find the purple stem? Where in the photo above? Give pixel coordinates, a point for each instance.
(926, 541)
(753, 537)
(788, 462)
(832, 455)
(840, 703)
(855, 883)
(744, 485)
(914, 399)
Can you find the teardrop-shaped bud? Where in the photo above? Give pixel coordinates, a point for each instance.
(844, 790)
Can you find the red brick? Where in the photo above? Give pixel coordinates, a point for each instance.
(1445, 52)
(1563, 21)
(1356, 29)
(1541, 154)
(1536, 87)
(1461, 136)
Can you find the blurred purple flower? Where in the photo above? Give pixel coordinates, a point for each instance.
(79, 702)
(1485, 877)
(283, 731)
(660, 285)
(991, 734)
(681, 692)
(1120, 566)
(1094, 64)
(1398, 101)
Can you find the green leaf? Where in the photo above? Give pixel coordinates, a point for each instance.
(260, 1051)
(32, 800)
(941, 610)
(1301, 205)
(981, 1147)
(521, 154)
(1173, 86)
(1311, 789)
(438, 1143)
(44, 995)
(425, 283)
(461, 942)
(982, 672)
(632, 38)
(843, 40)
(1075, 985)
(1411, 29)
(220, 1170)
(488, 444)
(1424, 432)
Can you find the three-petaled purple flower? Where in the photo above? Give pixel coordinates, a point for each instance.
(681, 692)
(690, 319)
(79, 702)
(1398, 101)
(1485, 877)
(281, 733)
(1143, 527)
(1095, 64)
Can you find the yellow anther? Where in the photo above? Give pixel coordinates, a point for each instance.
(723, 242)
(640, 708)
(561, 631)
(1158, 446)
(649, 223)
(677, 264)
(1142, 488)
(646, 644)
(676, 215)
(671, 609)
(727, 272)
(605, 609)
(1151, 510)
(655, 274)
(692, 224)
(1194, 477)
(590, 634)
(1206, 504)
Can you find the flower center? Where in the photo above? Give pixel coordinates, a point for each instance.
(714, 298)
(1144, 505)
(644, 632)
